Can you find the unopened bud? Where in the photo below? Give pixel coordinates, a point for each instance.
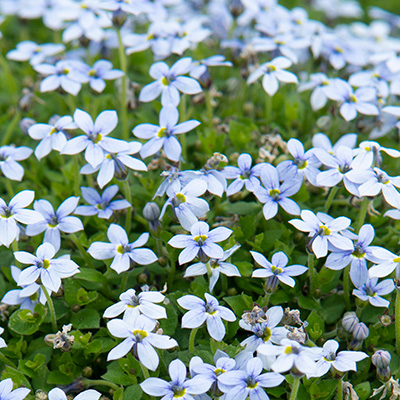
(360, 331)
(53, 119)
(151, 212)
(381, 359)
(87, 372)
(119, 18)
(25, 124)
(349, 320)
(271, 284)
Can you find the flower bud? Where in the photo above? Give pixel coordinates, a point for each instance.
(381, 359)
(118, 18)
(25, 124)
(360, 331)
(271, 283)
(349, 321)
(151, 211)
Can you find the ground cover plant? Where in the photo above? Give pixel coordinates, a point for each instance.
(199, 200)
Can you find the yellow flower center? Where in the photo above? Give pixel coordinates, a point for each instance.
(325, 231)
(165, 81)
(161, 132)
(200, 237)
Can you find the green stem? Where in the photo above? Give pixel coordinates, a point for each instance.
(9, 76)
(14, 246)
(10, 189)
(267, 296)
(124, 282)
(82, 250)
(362, 214)
(10, 129)
(346, 287)
(145, 371)
(330, 198)
(70, 100)
(397, 321)
(209, 109)
(340, 389)
(182, 116)
(52, 310)
(99, 382)
(6, 360)
(123, 65)
(311, 271)
(268, 109)
(192, 339)
(171, 274)
(295, 388)
(128, 197)
(77, 190)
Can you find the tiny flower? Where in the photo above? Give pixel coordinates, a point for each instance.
(95, 141)
(179, 386)
(217, 266)
(275, 194)
(90, 394)
(277, 269)
(121, 250)
(370, 290)
(210, 312)
(185, 202)
(321, 233)
(102, 71)
(50, 270)
(139, 338)
(55, 222)
(9, 155)
(169, 82)
(132, 305)
(201, 240)
(249, 383)
(292, 356)
(265, 332)
(35, 53)
(7, 392)
(15, 212)
(343, 361)
(102, 206)
(51, 136)
(244, 174)
(163, 135)
(273, 72)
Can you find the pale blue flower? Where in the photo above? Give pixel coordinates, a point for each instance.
(15, 212)
(277, 270)
(185, 202)
(265, 332)
(102, 71)
(322, 141)
(55, 222)
(321, 233)
(58, 394)
(116, 164)
(169, 82)
(9, 155)
(244, 174)
(35, 53)
(292, 356)
(343, 361)
(275, 193)
(370, 290)
(357, 258)
(163, 135)
(7, 392)
(202, 241)
(249, 383)
(273, 72)
(217, 266)
(121, 250)
(102, 206)
(95, 141)
(51, 136)
(179, 386)
(132, 305)
(50, 270)
(209, 312)
(139, 337)
(174, 178)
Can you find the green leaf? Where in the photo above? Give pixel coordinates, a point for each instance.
(239, 303)
(118, 394)
(307, 303)
(332, 308)
(26, 322)
(363, 390)
(245, 268)
(91, 275)
(316, 326)
(133, 392)
(323, 390)
(117, 375)
(86, 319)
(244, 208)
(17, 377)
